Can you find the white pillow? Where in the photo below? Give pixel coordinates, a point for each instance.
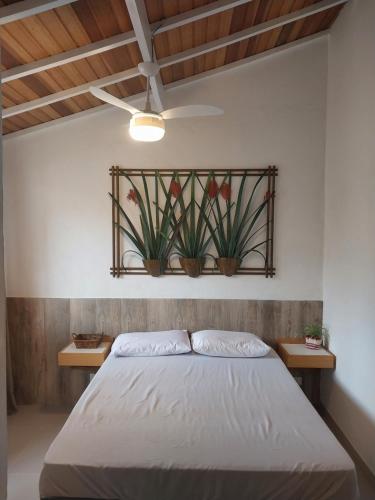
(151, 343)
(228, 344)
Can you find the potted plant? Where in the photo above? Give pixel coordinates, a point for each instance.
(193, 237)
(234, 226)
(314, 336)
(156, 238)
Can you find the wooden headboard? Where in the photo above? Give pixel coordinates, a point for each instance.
(39, 328)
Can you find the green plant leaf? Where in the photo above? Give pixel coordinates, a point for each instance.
(134, 240)
(145, 222)
(252, 249)
(251, 222)
(124, 214)
(212, 230)
(148, 205)
(157, 200)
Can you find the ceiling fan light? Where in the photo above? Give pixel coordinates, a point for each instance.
(146, 127)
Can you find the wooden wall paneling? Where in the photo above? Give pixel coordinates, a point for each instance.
(248, 317)
(265, 319)
(215, 314)
(298, 317)
(83, 315)
(207, 315)
(228, 313)
(39, 328)
(269, 319)
(291, 318)
(166, 314)
(243, 315)
(58, 381)
(264, 322)
(224, 314)
(188, 316)
(108, 316)
(160, 314)
(312, 311)
(286, 318)
(133, 315)
(28, 348)
(178, 312)
(275, 317)
(82, 320)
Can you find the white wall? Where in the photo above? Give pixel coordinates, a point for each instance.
(349, 264)
(58, 214)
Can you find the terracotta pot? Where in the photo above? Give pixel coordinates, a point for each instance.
(155, 267)
(192, 267)
(228, 266)
(313, 343)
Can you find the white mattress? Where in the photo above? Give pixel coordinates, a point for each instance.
(192, 427)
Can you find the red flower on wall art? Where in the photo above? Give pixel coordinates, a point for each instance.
(132, 196)
(212, 189)
(267, 196)
(175, 188)
(225, 191)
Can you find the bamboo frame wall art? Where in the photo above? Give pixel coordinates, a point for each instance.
(193, 221)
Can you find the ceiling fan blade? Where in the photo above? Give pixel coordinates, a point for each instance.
(106, 97)
(191, 111)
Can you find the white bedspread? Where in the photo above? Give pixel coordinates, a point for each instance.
(192, 427)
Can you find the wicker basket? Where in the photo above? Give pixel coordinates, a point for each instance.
(192, 267)
(87, 340)
(228, 265)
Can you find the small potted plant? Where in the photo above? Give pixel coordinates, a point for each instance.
(314, 336)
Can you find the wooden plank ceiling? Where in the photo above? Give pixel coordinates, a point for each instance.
(85, 21)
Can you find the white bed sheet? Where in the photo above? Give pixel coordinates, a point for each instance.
(191, 427)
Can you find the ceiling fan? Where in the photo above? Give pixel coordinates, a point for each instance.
(148, 125)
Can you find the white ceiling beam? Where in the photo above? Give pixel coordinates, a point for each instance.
(66, 94)
(180, 83)
(174, 59)
(67, 57)
(247, 60)
(20, 10)
(250, 32)
(138, 16)
(196, 14)
(119, 40)
(81, 114)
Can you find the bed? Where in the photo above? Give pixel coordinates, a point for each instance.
(193, 427)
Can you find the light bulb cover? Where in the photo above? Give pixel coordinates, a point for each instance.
(147, 127)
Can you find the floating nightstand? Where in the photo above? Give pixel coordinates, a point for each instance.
(86, 358)
(309, 362)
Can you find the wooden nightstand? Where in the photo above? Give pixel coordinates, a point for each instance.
(306, 362)
(92, 358)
